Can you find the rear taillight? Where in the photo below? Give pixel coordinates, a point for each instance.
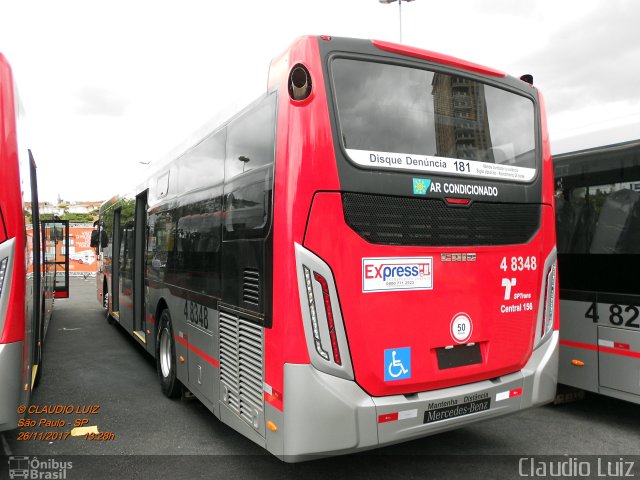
(322, 320)
(549, 302)
(329, 312)
(314, 314)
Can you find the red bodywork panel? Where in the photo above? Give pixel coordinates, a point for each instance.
(548, 197)
(11, 206)
(305, 164)
(436, 58)
(421, 320)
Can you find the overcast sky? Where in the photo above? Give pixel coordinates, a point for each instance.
(107, 85)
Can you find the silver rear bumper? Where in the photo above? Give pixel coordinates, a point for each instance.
(326, 415)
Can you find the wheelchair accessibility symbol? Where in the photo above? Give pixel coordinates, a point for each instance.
(397, 364)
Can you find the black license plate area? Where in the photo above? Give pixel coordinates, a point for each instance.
(459, 356)
(456, 409)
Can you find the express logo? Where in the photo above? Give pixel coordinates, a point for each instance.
(388, 271)
(398, 273)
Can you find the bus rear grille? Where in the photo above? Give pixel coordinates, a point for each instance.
(241, 353)
(251, 287)
(430, 222)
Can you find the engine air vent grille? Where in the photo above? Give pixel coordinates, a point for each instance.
(251, 287)
(241, 354)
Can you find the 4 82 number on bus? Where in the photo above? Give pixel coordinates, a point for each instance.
(196, 314)
(619, 315)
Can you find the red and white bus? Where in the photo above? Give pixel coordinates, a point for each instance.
(364, 255)
(29, 279)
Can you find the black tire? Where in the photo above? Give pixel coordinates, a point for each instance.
(166, 357)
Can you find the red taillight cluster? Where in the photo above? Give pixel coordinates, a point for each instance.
(330, 322)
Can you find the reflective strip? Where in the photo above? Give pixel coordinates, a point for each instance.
(515, 392)
(198, 352)
(388, 417)
(604, 346)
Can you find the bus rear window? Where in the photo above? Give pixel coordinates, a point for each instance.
(412, 119)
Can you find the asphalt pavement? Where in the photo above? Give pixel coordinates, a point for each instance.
(110, 383)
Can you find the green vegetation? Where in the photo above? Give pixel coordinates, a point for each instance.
(73, 217)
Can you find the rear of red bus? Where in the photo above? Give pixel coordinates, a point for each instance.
(14, 370)
(413, 200)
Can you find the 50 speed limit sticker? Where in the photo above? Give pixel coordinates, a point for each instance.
(461, 327)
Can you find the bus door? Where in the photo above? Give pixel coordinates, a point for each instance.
(56, 255)
(126, 273)
(139, 242)
(115, 266)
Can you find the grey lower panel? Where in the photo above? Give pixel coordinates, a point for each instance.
(232, 419)
(541, 373)
(10, 380)
(629, 397)
(326, 415)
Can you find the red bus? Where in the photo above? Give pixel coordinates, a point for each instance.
(30, 272)
(364, 255)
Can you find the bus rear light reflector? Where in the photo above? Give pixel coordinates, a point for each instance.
(457, 201)
(330, 322)
(388, 417)
(3, 271)
(314, 314)
(507, 394)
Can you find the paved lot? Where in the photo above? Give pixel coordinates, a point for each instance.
(89, 362)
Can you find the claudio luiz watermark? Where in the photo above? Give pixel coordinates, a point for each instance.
(577, 467)
(38, 468)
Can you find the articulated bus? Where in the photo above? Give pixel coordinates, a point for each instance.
(598, 225)
(29, 278)
(364, 255)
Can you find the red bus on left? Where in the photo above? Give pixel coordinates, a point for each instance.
(33, 260)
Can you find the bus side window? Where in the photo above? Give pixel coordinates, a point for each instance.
(249, 171)
(196, 257)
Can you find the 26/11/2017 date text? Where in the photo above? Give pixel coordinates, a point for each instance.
(42, 436)
(53, 436)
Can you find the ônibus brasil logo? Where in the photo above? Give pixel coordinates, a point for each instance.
(397, 273)
(35, 468)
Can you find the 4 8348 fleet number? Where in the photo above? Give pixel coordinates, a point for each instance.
(519, 264)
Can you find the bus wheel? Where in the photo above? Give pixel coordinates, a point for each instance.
(166, 357)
